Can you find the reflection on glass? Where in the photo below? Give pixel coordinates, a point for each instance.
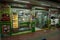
(41, 17)
(23, 18)
(24, 15)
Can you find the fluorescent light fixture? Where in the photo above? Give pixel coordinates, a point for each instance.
(22, 1)
(17, 0)
(25, 1)
(40, 7)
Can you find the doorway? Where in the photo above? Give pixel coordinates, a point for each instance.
(41, 15)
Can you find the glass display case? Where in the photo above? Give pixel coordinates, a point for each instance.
(21, 20)
(24, 20)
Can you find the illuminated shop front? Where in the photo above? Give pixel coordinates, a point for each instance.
(19, 18)
(22, 23)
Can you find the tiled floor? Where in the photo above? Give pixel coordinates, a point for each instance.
(57, 37)
(48, 34)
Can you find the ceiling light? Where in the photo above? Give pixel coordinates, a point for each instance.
(22, 1)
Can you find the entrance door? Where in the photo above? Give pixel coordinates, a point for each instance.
(41, 18)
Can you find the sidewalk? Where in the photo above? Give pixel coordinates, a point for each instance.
(48, 34)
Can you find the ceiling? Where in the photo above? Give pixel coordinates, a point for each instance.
(58, 1)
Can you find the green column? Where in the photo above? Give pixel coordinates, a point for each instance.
(33, 26)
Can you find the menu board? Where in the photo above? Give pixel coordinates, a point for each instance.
(15, 20)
